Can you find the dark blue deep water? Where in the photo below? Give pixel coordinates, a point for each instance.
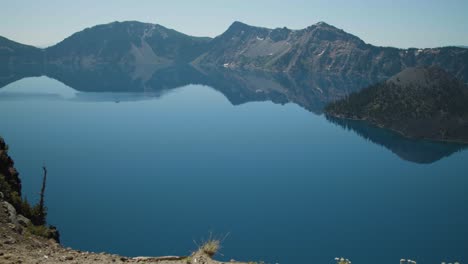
(147, 175)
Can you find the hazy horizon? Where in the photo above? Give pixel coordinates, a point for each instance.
(422, 24)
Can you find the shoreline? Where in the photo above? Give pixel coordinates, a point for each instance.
(373, 123)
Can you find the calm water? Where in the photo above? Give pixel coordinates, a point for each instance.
(140, 174)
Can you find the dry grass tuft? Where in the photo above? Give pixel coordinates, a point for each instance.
(211, 247)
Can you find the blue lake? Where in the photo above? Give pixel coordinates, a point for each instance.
(147, 174)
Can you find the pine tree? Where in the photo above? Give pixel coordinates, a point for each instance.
(40, 210)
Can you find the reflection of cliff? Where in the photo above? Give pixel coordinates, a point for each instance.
(243, 87)
(312, 92)
(140, 78)
(418, 151)
(12, 74)
(309, 92)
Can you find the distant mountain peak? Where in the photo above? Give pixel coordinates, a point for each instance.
(127, 43)
(127, 24)
(323, 24)
(239, 26)
(238, 23)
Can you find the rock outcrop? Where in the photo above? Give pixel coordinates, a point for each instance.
(10, 183)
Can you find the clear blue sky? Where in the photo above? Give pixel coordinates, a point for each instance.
(399, 23)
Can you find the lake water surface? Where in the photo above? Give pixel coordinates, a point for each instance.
(147, 175)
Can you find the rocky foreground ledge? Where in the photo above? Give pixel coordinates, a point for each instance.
(18, 245)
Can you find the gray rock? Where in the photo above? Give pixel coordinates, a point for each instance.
(9, 241)
(1, 196)
(11, 213)
(23, 220)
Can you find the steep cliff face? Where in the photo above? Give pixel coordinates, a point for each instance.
(10, 183)
(280, 49)
(323, 49)
(246, 46)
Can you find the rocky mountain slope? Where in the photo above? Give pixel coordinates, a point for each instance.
(417, 102)
(128, 42)
(322, 48)
(13, 53)
(318, 49)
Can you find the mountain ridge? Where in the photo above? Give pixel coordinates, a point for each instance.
(12, 52)
(118, 42)
(322, 48)
(318, 49)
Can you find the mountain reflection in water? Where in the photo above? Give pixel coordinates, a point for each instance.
(141, 82)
